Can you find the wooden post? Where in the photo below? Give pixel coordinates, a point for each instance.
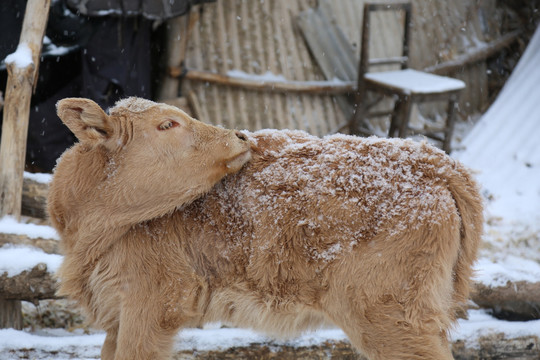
(10, 314)
(178, 32)
(21, 82)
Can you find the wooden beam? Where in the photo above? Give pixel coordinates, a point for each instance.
(474, 55)
(307, 87)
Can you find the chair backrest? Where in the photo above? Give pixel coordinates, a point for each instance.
(365, 61)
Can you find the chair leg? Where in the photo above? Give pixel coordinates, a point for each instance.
(395, 118)
(359, 116)
(400, 117)
(450, 122)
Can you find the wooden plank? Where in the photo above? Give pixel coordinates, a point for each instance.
(309, 87)
(330, 49)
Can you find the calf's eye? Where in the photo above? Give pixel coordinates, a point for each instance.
(167, 125)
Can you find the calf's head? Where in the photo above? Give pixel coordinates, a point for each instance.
(143, 159)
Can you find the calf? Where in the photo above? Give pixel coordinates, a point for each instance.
(375, 236)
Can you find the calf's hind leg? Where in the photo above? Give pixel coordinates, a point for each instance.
(379, 334)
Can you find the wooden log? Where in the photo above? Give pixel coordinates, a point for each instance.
(327, 350)
(495, 346)
(49, 246)
(488, 347)
(307, 87)
(21, 82)
(34, 198)
(518, 300)
(32, 285)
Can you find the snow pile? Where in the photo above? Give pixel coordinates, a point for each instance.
(39, 177)
(16, 259)
(9, 225)
(509, 268)
(64, 345)
(22, 57)
(480, 323)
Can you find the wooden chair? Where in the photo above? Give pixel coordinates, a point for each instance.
(407, 86)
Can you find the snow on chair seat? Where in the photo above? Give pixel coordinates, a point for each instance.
(413, 82)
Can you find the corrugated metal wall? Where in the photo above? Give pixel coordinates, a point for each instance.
(257, 36)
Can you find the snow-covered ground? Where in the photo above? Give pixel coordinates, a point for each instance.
(77, 345)
(503, 148)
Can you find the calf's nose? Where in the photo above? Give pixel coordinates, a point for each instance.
(240, 135)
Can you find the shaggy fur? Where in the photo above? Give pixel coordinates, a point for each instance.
(375, 236)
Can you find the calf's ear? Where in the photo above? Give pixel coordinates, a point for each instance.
(85, 119)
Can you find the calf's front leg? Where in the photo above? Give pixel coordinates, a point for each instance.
(109, 346)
